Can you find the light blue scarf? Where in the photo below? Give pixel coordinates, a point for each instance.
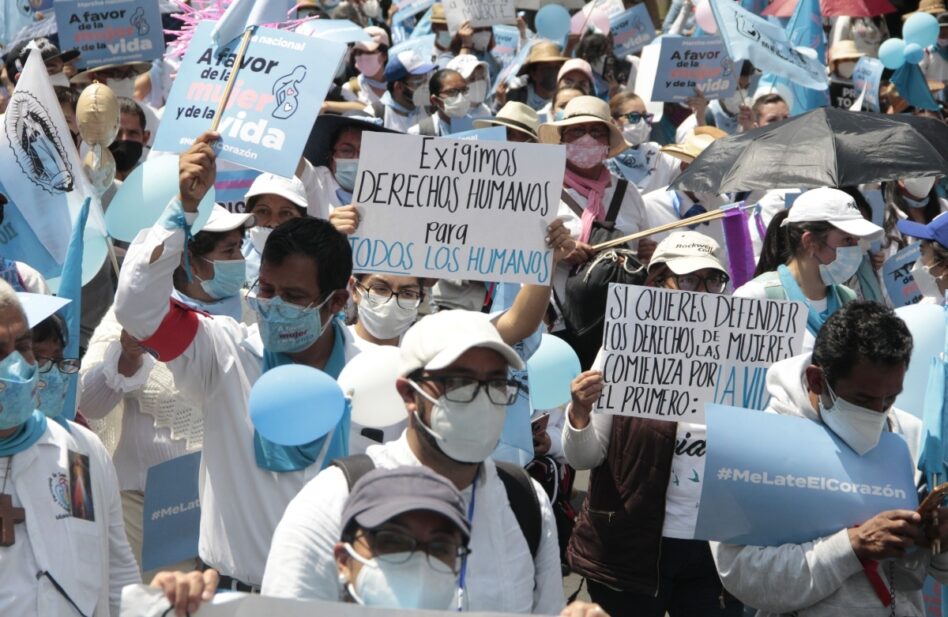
(814, 320)
(25, 436)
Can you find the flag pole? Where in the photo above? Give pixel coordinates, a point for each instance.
(244, 43)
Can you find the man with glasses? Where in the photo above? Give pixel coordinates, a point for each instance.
(456, 389)
(406, 76)
(305, 267)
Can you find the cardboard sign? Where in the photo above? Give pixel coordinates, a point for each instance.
(666, 353)
(277, 95)
(758, 490)
(843, 94)
(110, 31)
(172, 512)
(445, 208)
(897, 275)
(631, 30)
(866, 76)
(688, 63)
(479, 13)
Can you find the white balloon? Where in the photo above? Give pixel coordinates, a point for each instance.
(368, 380)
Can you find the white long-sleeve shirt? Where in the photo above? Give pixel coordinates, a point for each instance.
(241, 503)
(501, 576)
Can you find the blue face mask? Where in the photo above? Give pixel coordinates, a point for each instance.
(285, 327)
(558, 115)
(346, 172)
(51, 387)
(17, 390)
(841, 269)
(229, 277)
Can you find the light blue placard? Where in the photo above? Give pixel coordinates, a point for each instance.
(772, 479)
(897, 275)
(338, 30)
(491, 133)
(411, 9)
(275, 100)
(231, 186)
(423, 46)
(866, 75)
(511, 69)
(110, 31)
(506, 40)
(631, 30)
(172, 512)
(688, 63)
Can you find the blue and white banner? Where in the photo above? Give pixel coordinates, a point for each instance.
(772, 479)
(281, 86)
(898, 278)
(631, 30)
(172, 512)
(766, 45)
(685, 64)
(110, 31)
(506, 42)
(232, 184)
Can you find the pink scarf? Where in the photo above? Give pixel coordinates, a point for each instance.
(593, 191)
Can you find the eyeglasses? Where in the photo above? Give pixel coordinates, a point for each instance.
(453, 92)
(396, 548)
(713, 283)
(597, 132)
(634, 116)
(66, 366)
(285, 308)
(378, 294)
(460, 389)
(345, 151)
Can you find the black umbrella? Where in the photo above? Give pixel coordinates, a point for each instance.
(824, 147)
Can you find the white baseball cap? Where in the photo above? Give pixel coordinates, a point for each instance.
(685, 252)
(439, 339)
(288, 188)
(826, 205)
(222, 219)
(465, 64)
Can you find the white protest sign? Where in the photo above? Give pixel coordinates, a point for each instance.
(443, 208)
(479, 12)
(666, 353)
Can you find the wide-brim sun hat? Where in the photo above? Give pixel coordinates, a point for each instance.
(694, 144)
(582, 110)
(516, 116)
(541, 52)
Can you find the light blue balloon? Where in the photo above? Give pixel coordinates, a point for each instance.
(95, 252)
(552, 22)
(926, 322)
(144, 196)
(921, 29)
(295, 404)
(551, 369)
(892, 53)
(913, 53)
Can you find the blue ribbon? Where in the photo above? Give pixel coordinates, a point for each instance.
(25, 436)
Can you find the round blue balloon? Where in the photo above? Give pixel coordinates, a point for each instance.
(921, 29)
(552, 22)
(926, 322)
(295, 404)
(892, 53)
(144, 195)
(913, 53)
(551, 369)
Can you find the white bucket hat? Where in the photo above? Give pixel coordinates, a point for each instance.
(581, 110)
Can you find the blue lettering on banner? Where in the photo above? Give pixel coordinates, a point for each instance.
(758, 490)
(172, 512)
(898, 278)
(110, 31)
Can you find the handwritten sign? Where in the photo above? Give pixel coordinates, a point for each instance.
(110, 31)
(282, 83)
(479, 13)
(631, 30)
(866, 76)
(843, 94)
(667, 352)
(172, 512)
(688, 63)
(445, 208)
(758, 489)
(897, 275)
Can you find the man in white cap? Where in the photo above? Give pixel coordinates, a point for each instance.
(455, 385)
(369, 85)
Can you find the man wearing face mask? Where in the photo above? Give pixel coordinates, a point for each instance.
(369, 85)
(877, 568)
(449, 99)
(931, 269)
(541, 70)
(120, 78)
(304, 270)
(131, 139)
(475, 73)
(407, 98)
(15, 60)
(454, 367)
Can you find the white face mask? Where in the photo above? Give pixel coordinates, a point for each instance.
(637, 133)
(926, 281)
(122, 87)
(481, 40)
(841, 269)
(859, 427)
(845, 68)
(477, 91)
(59, 79)
(384, 319)
(732, 104)
(443, 39)
(919, 188)
(258, 237)
(457, 106)
(371, 8)
(412, 584)
(465, 432)
(420, 97)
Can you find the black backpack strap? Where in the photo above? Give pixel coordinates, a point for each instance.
(571, 203)
(523, 501)
(616, 203)
(354, 467)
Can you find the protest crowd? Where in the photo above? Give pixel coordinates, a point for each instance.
(494, 306)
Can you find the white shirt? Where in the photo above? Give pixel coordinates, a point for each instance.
(649, 168)
(366, 94)
(321, 191)
(501, 577)
(661, 207)
(240, 502)
(400, 122)
(91, 560)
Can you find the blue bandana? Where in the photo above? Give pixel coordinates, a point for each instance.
(25, 436)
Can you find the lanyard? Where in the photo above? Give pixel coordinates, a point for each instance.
(463, 575)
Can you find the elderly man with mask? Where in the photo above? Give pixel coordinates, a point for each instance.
(455, 385)
(849, 383)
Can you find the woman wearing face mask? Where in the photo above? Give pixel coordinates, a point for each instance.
(574, 76)
(474, 72)
(931, 269)
(369, 58)
(49, 342)
(643, 164)
(843, 56)
(449, 99)
(809, 252)
(477, 42)
(272, 200)
(538, 76)
(633, 539)
(130, 398)
(120, 78)
(387, 305)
